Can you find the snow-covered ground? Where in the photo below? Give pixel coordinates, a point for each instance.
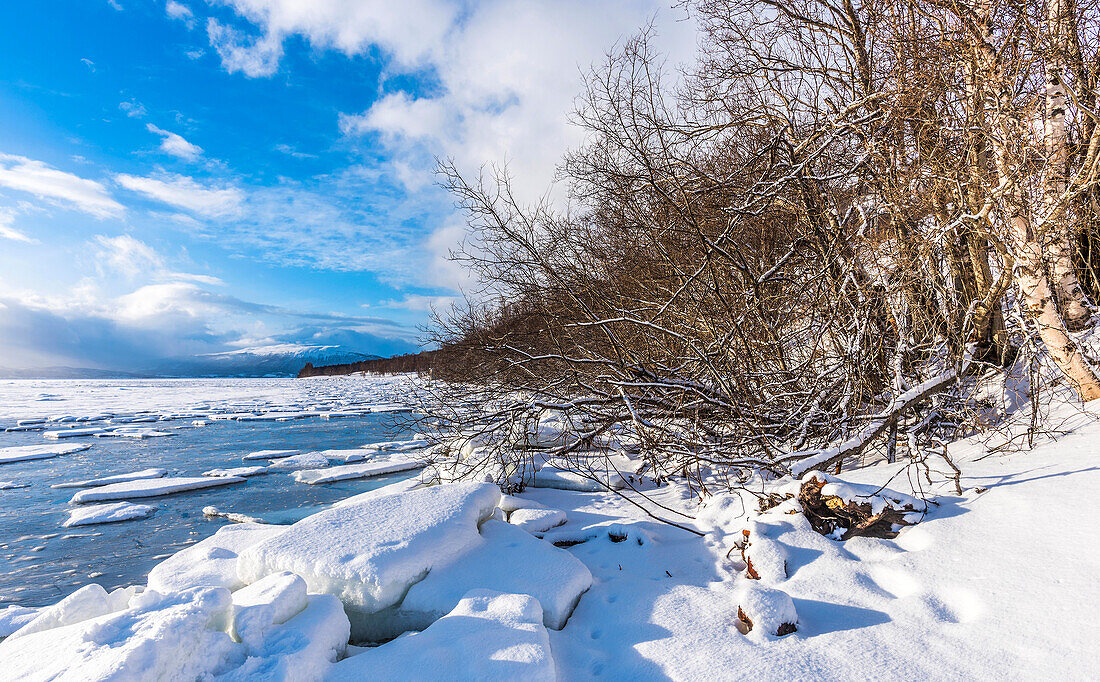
(561, 583)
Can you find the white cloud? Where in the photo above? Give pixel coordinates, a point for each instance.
(126, 255)
(58, 187)
(419, 303)
(133, 109)
(255, 58)
(174, 144)
(88, 63)
(183, 192)
(7, 229)
(178, 10)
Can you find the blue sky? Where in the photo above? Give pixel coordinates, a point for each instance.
(196, 176)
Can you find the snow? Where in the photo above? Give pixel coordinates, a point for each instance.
(174, 636)
(270, 454)
(378, 466)
(369, 554)
(13, 485)
(301, 649)
(117, 478)
(72, 433)
(211, 562)
(23, 453)
(488, 636)
(555, 477)
(243, 472)
(133, 432)
(266, 602)
(308, 460)
(14, 617)
(508, 560)
(150, 488)
(402, 445)
(537, 520)
(88, 602)
(111, 512)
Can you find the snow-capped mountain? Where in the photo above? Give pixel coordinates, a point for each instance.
(283, 359)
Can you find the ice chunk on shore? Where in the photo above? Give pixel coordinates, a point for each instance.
(391, 489)
(535, 520)
(375, 467)
(308, 460)
(243, 472)
(150, 488)
(508, 560)
(301, 649)
(112, 512)
(597, 481)
(488, 636)
(72, 433)
(118, 478)
(23, 453)
(15, 617)
(211, 562)
(88, 602)
(161, 637)
(271, 454)
(264, 603)
(368, 554)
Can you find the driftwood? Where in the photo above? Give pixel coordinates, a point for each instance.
(829, 514)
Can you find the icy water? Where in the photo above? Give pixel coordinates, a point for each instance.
(41, 561)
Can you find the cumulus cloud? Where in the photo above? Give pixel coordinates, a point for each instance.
(57, 187)
(254, 57)
(133, 109)
(180, 11)
(184, 192)
(174, 144)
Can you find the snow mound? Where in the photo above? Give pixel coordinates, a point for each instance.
(489, 636)
(211, 562)
(537, 520)
(765, 558)
(23, 453)
(150, 488)
(300, 650)
(375, 467)
(243, 472)
(88, 602)
(308, 460)
(271, 454)
(506, 560)
(15, 617)
(267, 602)
(369, 554)
(765, 611)
(112, 512)
(118, 478)
(160, 637)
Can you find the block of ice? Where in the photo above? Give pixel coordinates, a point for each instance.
(507, 559)
(88, 602)
(271, 454)
(112, 512)
(150, 488)
(243, 472)
(118, 478)
(72, 433)
(264, 603)
(488, 636)
(307, 460)
(160, 637)
(211, 562)
(23, 453)
(369, 554)
(378, 466)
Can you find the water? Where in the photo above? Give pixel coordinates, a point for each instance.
(41, 562)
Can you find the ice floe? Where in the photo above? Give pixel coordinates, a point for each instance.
(151, 488)
(72, 433)
(243, 472)
(117, 478)
(375, 467)
(22, 453)
(111, 512)
(308, 460)
(271, 454)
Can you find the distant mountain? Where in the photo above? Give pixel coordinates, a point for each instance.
(279, 360)
(283, 360)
